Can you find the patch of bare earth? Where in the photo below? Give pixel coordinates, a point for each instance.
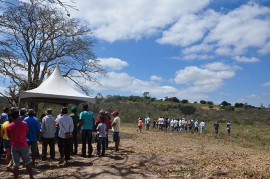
(159, 154)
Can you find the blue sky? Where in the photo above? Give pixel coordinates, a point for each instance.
(213, 50)
(189, 49)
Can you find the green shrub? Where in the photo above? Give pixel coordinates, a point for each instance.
(187, 110)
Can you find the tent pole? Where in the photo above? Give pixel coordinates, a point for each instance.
(19, 104)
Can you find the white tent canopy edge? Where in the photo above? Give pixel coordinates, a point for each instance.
(56, 90)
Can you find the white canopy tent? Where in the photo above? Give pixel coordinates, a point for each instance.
(56, 90)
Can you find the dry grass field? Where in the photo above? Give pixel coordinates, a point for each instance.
(165, 154)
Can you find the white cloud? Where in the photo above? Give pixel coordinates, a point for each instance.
(230, 34)
(113, 63)
(196, 57)
(243, 28)
(265, 49)
(156, 78)
(127, 83)
(252, 96)
(201, 48)
(219, 66)
(120, 20)
(189, 29)
(208, 78)
(267, 84)
(190, 83)
(223, 50)
(245, 59)
(3, 89)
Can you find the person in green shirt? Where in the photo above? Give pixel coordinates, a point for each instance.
(87, 122)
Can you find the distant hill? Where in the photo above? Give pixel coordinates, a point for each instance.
(133, 108)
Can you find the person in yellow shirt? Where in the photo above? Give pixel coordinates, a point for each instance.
(7, 144)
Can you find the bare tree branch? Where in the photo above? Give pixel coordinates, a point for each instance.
(35, 37)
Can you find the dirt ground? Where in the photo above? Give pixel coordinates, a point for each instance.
(159, 154)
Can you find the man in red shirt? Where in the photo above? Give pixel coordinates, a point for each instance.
(17, 131)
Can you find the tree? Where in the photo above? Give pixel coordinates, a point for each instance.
(184, 101)
(225, 103)
(64, 4)
(35, 37)
(239, 105)
(203, 102)
(99, 97)
(229, 108)
(146, 95)
(210, 102)
(173, 99)
(187, 110)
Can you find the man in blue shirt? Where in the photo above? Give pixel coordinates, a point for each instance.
(32, 133)
(87, 122)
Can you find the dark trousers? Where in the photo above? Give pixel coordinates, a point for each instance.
(1, 145)
(101, 143)
(107, 139)
(45, 143)
(87, 138)
(64, 147)
(216, 130)
(74, 147)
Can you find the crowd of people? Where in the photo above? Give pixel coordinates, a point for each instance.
(181, 125)
(21, 130)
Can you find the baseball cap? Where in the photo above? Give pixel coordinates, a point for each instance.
(116, 113)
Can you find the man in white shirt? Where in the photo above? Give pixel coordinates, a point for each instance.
(116, 129)
(147, 123)
(202, 125)
(66, 127)
(172, 125)
(48, 131)
(196, 126)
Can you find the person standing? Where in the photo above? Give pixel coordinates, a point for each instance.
(101, 132)
(229, 127)
(116, 129)
(147, 122)
(23, 114)
(196, 126)
(140, 124)
(216, 127)
(4, 118)
(32, 134)
(108, 126)
(75, 117)
(202, 126)
(104, 114)
(17, 131)
(66, 127)
(48, 130)
(4, 115)
(87, 121)
(6, 143)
